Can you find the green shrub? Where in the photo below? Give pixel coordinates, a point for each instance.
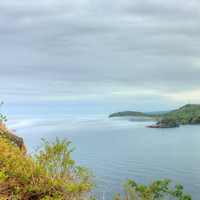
(51, 174)
(158, 190)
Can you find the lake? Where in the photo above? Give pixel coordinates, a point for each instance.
(117, 150)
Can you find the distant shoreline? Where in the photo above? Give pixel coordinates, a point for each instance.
(187, 114)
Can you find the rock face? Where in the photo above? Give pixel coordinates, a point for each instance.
(167, 123)
(18, 141)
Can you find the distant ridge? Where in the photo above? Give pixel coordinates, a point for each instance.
(127, 114)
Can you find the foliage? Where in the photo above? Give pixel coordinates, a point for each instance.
(3, 118)
(188, 114)
(158, 190)
(50, 175)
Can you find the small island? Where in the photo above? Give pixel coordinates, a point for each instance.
(187, 114)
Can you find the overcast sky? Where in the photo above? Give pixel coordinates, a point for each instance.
(108, 53)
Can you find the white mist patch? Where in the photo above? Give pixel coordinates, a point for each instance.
(23, 123)
(69, 121)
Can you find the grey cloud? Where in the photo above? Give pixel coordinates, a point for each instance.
(67, 48)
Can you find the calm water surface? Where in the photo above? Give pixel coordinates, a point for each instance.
(116, 150)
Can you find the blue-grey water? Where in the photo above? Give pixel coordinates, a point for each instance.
(117, 150)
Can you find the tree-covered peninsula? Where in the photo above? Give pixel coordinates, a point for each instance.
(187, 114)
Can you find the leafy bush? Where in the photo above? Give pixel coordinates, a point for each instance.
(50, 175)
(158, 190)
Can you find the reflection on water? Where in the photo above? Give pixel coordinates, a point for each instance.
(116, 150)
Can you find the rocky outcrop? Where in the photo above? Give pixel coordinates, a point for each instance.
(8, 134)
(165, 123)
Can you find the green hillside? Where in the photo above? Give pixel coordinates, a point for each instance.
(188, 114)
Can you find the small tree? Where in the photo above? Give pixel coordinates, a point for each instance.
(3, 118)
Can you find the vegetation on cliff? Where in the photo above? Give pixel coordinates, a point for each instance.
(50, 175)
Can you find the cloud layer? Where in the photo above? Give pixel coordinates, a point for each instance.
(55, 50)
